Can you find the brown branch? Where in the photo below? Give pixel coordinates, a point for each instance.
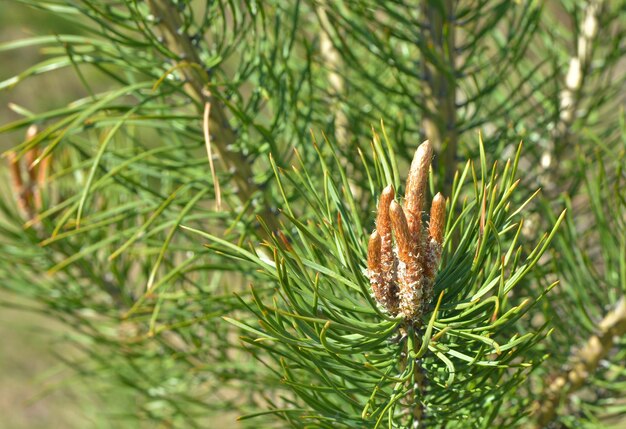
(583, 363)
(196, 82)
(440, 90)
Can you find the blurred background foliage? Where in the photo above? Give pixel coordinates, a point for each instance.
(37, 389)
(128, 96)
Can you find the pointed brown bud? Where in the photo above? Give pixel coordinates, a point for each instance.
(417, 181)
(16, 173)
(20, 191)
(437, 218)
(42, 171)
(31, 156)
(384, 285)
(382, 220)
(383, 226)
(373, 253)
(400, 231)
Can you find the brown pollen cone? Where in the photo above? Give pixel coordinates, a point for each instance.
(42, 171)
(386, 293)
(383, 225)
(20, 190)
(379, 287)
(416, 184)
(31, 156)
(437, 218)
(382, 219)
(16, 173)
(435, 236)
(401, 231)
(410, 271)
(373, 253)
(402, 277)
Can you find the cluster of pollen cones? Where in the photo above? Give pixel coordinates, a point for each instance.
(27, 187)
(402, 276)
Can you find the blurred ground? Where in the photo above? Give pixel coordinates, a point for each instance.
(34, 389)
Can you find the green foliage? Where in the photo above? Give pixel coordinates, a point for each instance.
(114, 248)
(593, 280)
(350, 365)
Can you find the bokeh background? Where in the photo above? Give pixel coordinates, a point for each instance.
(37, 390)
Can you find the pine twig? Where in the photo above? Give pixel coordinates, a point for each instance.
(196, 81)
(572, 94)
(578, 68)
(584, 362)
(332, 60)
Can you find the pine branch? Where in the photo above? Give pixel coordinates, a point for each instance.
(584, 362)
(440, 89)
(578, 69)
(196, 85)
(332, 61)
(572, 94)
(347, 360)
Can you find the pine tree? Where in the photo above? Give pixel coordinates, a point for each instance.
(240, 213)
